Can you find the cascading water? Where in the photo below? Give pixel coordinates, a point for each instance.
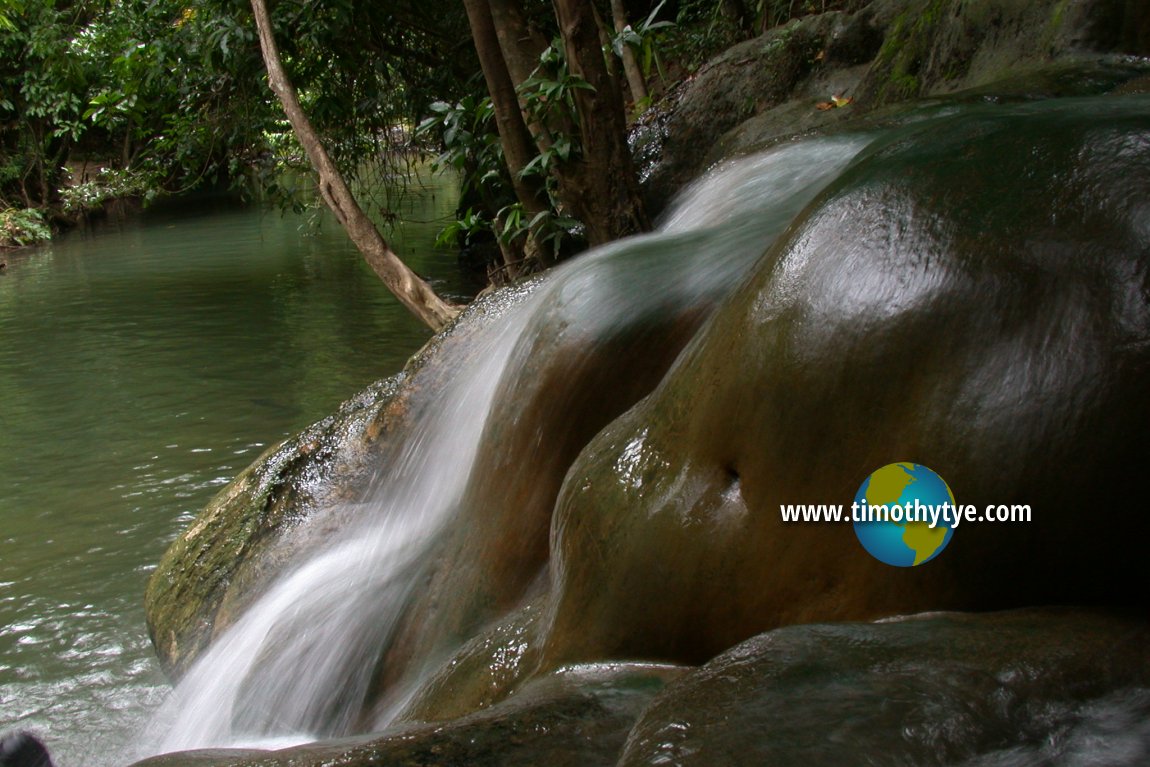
(299, 664)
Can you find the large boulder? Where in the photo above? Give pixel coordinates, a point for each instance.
(974, 295)
(579, 717)
(1015, 688)
(1019, 688)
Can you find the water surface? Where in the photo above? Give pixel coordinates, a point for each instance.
(143, 363)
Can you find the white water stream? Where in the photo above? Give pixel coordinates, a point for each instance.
(298, 665)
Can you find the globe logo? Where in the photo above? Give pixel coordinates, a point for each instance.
(904, 514)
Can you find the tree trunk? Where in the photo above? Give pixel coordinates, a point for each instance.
(601, 185)
(520, 42)
(518, 146)
(631, 67)
(411, 291)
(522, 46)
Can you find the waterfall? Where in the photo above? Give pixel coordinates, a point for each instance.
(299, 664)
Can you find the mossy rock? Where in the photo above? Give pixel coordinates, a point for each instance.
(888, 52)
(291, 497)
(742, 82)
(943, 46)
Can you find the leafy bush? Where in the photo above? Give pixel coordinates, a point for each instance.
(23, 226)
(109, 184)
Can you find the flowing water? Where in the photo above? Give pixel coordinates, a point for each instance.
(298, 665)
(150, 390)
(144, 363)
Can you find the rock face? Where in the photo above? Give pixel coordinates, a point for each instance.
(889, 51)
(579, 717)
(290, 498)
(1002, 689)
(997, 690)
(974, 295)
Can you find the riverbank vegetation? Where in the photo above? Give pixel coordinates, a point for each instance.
(102, 99)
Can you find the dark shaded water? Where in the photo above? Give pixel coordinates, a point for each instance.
(142, 365)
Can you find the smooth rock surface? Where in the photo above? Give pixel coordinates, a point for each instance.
(973, 295)
(579, 716)
(1020, 688)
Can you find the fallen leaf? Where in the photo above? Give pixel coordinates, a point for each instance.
(836, 102)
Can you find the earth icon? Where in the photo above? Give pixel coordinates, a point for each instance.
(905, 538)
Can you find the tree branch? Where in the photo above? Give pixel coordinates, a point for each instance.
(411, 291)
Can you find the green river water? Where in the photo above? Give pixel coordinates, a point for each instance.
(143, 363)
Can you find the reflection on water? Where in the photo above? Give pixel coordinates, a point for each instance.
(143, 365)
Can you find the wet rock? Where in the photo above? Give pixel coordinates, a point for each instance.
(888, 52)
(483, 672)
(944, 46)
(292, 498)
(206, 757)
(579, 716)
(974, 295)
(743, 81)
(1020, 688)
(566, 384)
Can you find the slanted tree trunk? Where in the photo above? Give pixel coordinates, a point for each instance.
(601, 185)
(411, 291)
(631, 68)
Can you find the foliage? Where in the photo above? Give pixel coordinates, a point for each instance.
(551, 229)
(644, 39)
(175, 91)
(464, 229)
(22, 226)
(548, 94)
(470, 145)
(699, 32)
(153, 86)
(109, 184)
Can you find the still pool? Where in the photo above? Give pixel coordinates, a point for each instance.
(143, 363)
